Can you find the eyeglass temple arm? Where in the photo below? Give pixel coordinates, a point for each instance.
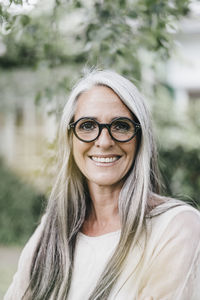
(69, 126)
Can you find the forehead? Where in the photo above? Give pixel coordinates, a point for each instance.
(101, 102)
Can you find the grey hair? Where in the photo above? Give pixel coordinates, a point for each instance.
(52, 263)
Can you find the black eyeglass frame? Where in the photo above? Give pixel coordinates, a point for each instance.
(104, 125)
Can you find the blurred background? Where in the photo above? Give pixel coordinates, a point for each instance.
(45, 46)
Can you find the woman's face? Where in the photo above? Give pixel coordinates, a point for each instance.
(104, 105)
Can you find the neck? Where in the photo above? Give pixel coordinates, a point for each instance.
(104, 215)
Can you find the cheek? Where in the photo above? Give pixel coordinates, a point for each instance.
(130, 149)
(131, 155)
(76, 151)
(79, 149)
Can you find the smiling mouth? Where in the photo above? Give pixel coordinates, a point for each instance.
(105, 159)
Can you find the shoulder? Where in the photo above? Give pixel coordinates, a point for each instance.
(32, 242)
(173, 235)
(21, 278)
(175, 218)
(28, 251)
(172, 252)
(168, 208)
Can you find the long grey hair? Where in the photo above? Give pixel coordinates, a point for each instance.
(52, 264)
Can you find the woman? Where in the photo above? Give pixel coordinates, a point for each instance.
(107, 234)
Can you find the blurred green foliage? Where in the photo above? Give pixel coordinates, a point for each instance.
(20, 207)
(111, 34)
(180, 173)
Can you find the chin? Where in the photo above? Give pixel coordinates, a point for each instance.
(105, 181)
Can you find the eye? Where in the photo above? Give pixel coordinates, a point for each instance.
(86, 125)
(121, 125)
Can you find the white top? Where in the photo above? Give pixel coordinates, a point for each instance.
(91, 256)
(169, 269)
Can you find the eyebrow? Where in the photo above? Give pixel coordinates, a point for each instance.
(96, 119)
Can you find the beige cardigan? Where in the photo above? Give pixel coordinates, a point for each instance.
(169, 269)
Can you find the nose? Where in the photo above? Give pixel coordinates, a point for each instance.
(104, 140)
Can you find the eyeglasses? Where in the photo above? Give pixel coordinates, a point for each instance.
(121, 129)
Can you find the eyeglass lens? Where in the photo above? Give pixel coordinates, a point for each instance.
(120, 129)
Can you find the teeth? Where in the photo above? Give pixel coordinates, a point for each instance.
(104, 159)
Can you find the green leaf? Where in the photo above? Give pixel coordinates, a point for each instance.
(25, 20)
